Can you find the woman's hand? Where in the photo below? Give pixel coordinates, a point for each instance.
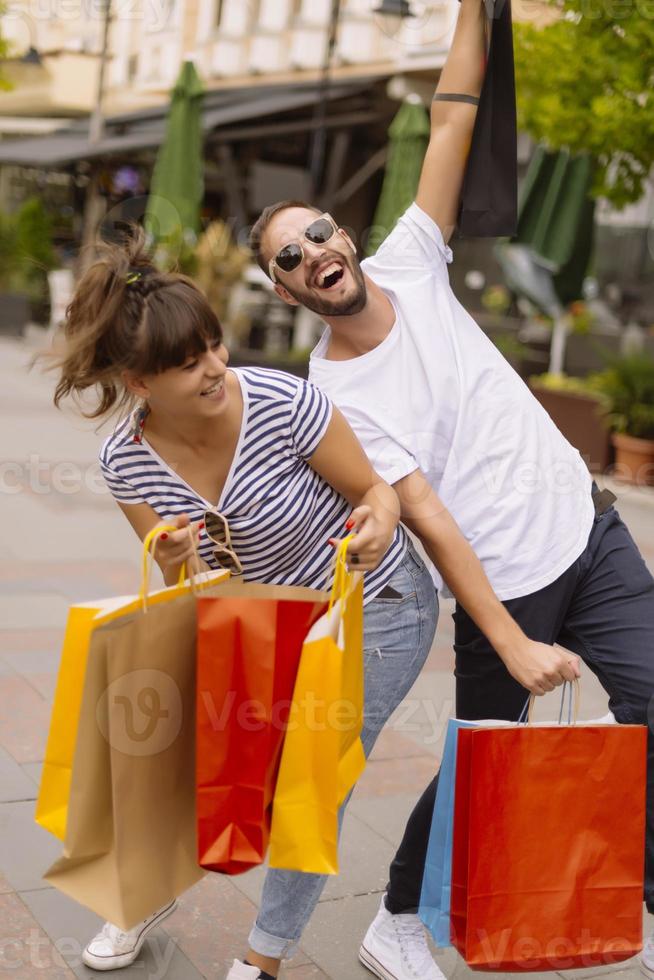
(372, 539)
(175, 548)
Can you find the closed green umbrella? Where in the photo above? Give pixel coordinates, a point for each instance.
(173, 212)
(548, 259)
(556, 217)
(408, 138)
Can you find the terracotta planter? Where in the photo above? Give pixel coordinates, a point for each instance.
(579, 418)
(634, 459)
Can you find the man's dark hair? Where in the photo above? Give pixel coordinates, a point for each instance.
(261, 224)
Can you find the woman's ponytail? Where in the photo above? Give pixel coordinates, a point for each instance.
(102, 324)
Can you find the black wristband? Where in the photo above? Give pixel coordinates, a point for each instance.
(450, 97)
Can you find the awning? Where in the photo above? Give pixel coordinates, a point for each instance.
(145, 129)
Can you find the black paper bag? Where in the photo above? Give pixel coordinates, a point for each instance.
(489, 199)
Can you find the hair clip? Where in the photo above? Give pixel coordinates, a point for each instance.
(133, 277)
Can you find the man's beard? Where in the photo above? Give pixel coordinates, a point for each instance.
(348, 306)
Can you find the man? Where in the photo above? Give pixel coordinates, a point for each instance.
(440, 411)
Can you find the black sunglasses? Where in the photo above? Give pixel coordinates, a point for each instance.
(290, 256)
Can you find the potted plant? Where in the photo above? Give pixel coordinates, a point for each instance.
(26, 257)
(628, 386)
(578, 408)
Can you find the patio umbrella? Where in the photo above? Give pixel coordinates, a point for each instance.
(556, 217)
(173, 211)
(408, 138)
(548, 258)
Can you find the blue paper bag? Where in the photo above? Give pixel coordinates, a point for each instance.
(437, 880)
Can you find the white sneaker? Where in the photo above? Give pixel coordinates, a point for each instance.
(113, 949)
(242, 972)
(647, 958)
(395, 948)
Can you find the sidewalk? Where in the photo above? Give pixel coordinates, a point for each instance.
(64, 541)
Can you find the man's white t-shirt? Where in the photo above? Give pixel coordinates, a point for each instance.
(437, 395)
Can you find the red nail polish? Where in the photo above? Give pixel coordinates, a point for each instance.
(349, 524)
(201, 526)
(164, 536)
(331, 542)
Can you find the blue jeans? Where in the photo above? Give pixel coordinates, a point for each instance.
(398, 634)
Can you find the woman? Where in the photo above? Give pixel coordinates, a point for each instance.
(264, 474)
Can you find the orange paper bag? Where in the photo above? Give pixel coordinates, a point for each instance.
(250, 639)
(548, 855)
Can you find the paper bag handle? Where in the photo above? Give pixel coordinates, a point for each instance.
(150, 542)
(573, 689)
(343, 577)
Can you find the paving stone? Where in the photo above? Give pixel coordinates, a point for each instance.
(29, 640)
(35, 661)
(441, 657)
(393, 777)
(24, 720)
(43, 684)
(71, 926)
(26, 850)
(212, 924)
(33, 770)
(308, 972)
(364, 859)
(26, 952)
(393, 745)
(22, 611)
(15, 784)
(423, 715)
(333, 948)
(105, 533)
(4, 885)
(389, 820)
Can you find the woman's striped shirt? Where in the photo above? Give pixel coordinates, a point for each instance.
(281, 513)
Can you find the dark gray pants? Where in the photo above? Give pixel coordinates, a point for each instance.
(602, 608)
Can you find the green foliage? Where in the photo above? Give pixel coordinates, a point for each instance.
(26, 251)
(585, 83)
(628, 385)
(590, 386)
(4, 53)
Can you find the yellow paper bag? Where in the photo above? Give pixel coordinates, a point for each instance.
(323, 755)
(83, 619)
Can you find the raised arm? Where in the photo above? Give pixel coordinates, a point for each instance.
(453, 114)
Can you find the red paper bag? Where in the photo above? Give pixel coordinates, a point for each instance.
(249, 644)
(548, 854)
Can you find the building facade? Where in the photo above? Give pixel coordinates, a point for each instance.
(56, 44)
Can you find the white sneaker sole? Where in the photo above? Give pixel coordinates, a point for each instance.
(122, 960)
(645, 970)
(376, 967)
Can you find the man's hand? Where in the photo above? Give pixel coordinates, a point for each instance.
(540, 667)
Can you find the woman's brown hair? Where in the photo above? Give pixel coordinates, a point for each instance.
(126, 315)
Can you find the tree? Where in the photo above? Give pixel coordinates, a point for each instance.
(586, 83)
(4, 53)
